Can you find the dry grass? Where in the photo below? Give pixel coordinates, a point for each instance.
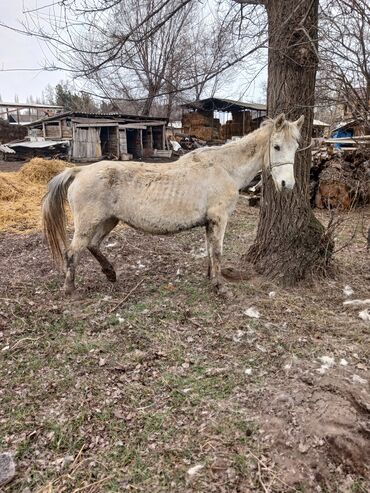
(21, 194)
(104, 393)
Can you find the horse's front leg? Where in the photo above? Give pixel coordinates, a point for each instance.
(209, 250)
(215, 236)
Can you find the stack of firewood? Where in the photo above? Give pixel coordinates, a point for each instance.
(340, 179)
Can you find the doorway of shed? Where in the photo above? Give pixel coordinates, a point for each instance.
(134, 145)
(109, 142)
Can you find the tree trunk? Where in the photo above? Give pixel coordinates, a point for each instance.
(291, 243)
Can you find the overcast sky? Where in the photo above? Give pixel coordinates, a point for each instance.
(19, 52)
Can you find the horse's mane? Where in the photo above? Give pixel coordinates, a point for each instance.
(290, 130)
(259, 137)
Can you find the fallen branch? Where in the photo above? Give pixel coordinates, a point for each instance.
(126, 297)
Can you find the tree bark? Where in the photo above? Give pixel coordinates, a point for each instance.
(291, 243)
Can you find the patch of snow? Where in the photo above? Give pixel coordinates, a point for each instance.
(347, 290)
(195, 469)
(327, 362)
(357, 302)
(343, 362)
(119, 318)
(358, 379)
(186, 391)
(200, 255)
(365, 315)
(261, 348)
(252, 312)
(111, 245)
(248, 371)
(303, 448)
(272, 294)
(238, 335)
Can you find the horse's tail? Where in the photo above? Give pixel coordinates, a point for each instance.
(53, 213)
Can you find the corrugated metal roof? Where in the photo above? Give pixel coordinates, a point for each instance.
(221, 104)
(344, 124)
(6, 149)
(38, 144)
(81, 114)
(319, 123)
(30, 105)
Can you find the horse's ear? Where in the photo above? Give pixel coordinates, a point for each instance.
(279, 121)
(299, 122)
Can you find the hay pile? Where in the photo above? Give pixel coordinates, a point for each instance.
(40, 170)
(21, 193)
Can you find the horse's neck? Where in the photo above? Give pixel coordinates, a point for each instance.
(244, 158)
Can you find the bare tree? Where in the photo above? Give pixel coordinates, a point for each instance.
(291, 243)
(140, 51)
(344, 75)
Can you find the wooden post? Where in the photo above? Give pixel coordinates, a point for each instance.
(164, 136)
(150, 138)
(43, 130)
(141, 143)
(118, 143)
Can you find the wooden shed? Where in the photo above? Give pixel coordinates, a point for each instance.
(110, 135)
(198, 118)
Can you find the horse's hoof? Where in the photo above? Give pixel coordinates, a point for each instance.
(68, 290)
(111, 275)
(223, 292)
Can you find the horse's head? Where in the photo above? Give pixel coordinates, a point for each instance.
(283, 144)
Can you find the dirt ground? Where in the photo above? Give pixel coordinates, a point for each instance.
(173, 389)
(11, 165)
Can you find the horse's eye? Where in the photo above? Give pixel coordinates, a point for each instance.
(277, 147)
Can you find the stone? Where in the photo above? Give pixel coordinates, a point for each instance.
(7, 468)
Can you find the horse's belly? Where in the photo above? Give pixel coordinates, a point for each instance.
(163, 216)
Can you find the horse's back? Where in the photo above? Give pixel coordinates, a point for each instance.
(158, 198)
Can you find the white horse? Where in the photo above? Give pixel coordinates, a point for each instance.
(200, 189)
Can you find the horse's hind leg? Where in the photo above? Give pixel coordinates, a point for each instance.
(104, 228)
(85, 235)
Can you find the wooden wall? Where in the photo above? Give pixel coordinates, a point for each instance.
(58, 130)
(91, 141)
(86, 143)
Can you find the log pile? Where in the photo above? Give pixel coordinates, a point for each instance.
(340, 180)
(9, 132)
